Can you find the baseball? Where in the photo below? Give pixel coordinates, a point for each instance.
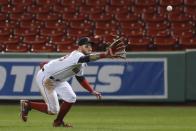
(169, 8)
(96, 36)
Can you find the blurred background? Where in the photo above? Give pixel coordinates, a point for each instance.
(160, 64)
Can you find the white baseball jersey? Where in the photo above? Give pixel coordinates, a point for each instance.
(65, 67)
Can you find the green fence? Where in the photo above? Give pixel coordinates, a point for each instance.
(181, 72)
(190, 78)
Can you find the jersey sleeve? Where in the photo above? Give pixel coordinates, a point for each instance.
(75, 56)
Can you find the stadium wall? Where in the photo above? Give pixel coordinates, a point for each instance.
(144, 76)
(191, 75)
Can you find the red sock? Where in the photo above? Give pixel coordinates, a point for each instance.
(64, 109)
(39, 106)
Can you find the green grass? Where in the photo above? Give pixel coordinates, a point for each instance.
(105, 118)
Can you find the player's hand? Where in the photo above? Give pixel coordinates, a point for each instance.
(97, 94)
(116, 49)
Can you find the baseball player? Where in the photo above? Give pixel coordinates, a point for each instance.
(52, 76)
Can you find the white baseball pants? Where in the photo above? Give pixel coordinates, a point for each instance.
(61, 89)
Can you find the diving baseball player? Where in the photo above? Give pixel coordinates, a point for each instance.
(53, 75)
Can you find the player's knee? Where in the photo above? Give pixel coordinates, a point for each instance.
(52, 113)
(53, 110)
(71, 99)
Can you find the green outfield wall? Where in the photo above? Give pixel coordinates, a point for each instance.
(190, 75)
(181, 71)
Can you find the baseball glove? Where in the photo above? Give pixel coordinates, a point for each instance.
(117, 49)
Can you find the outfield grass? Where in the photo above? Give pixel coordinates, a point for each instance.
(105, 118)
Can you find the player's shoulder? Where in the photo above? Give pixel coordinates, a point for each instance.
(76, 52)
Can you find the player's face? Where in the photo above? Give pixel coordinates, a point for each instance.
(86, 49)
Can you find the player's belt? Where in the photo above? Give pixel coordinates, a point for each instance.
(51, 77)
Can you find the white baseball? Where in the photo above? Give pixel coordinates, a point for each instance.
(96, 36)
(169, 8)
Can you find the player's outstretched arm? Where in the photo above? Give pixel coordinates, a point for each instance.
(87, 86)
(115, 50)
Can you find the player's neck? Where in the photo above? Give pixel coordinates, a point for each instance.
(79, 50)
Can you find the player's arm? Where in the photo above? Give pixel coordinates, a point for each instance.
(85, 84)
(115, 50)
(93, 57)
